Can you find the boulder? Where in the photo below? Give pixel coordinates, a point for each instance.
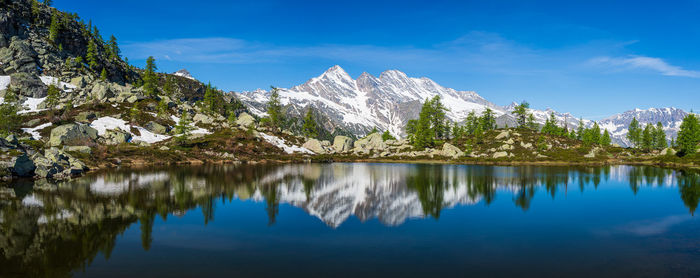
(79, 81)
(19, 57)
(101, 92)
(28, 85)
(116, 137)
(78, 149)
(592, 153)
(342, 144)
(85, 117)
(22, 166)
(314, 146)
(72, 135)
(504, 134)
(202, 118)
(500, 154)
(11, 139)
(527, 146)
(245, 120)
(450, 150)
(156, 128)
(506, 147)
(373, 141)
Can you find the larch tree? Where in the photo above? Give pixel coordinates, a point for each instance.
(310, 127)
(150, 78)
(689, 135)
(274, 108)
(634, 132)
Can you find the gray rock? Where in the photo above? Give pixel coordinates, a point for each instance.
(85, 117)
(202, 118)
(450, 150)
(527, 146)
(503, 134)
(342, 144)
(500, 154)
(23, 166)
(11, 139)
(314, 146)
(156, 128)
(79, 149)
(72, 135)
(373, 141)
(28, 85)
(101, 91)
(245, 120)
(116, 137)
(668, 151)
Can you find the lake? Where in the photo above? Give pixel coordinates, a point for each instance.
(355, 220)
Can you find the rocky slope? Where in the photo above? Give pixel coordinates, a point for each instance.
(671, 118)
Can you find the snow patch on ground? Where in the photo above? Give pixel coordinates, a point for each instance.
(31, 105)
(49, 80)
(109, 123)
(274, 140)
(4, 82)
(34, 131)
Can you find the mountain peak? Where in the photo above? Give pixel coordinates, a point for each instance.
(184, 73)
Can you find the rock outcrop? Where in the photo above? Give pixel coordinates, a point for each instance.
(342, 144)
(72, 135)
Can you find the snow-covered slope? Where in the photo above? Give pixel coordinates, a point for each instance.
(671, 118)
(358, 105)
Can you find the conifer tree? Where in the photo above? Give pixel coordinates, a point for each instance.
(521, 114)
(550, 126)
(647, 137)
(168, 88)
(54, 28)
(150, 78)
(580, 129)
(9, 119)
(232, 118)
(605, 139)
(92, 55)
(114, 51)
(162, 108)
(488, 119)
(689, 135)
(211, 99)
(660, 137)
(52, 95)
(182, 129)
(531, 124)
(634, 132)
(48, 2)
(310, 128)
(430, 126)
(36, 11)
(274, 108)
(103, 75)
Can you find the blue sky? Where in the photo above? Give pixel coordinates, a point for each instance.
(592, 58)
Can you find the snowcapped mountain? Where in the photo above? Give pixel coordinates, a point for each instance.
(387, 102)
(671, 118)
(184, 73)
(358, 105)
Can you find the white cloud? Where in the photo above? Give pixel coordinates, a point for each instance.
(647, 63)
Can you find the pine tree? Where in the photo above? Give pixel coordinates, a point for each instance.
(182, 129)
(274, 109)
(605, 140)
(162, 108)
(430, 126)
(521, 114)
(52, 95)
(212, 100)
(150, 78)
(550, 126)
(54, 28)
(634, 132)
(103, 75)
(387, 136)
(35, 11)
(9, 119)
(647, 137)
(48, 2)
(92, 55)
(580, 129)
(232, 118)
(689, 135)
(488, 119)
(114, 51)
(660, 137)
(531, 124)
(310, 129)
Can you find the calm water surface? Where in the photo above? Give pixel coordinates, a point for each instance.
(355, 220)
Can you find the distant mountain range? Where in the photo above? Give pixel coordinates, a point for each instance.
(387, 102)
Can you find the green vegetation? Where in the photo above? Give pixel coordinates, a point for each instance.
(431, 125)
(689, 135)
(310, 127)
(274, 109)
(9, 119)
(150, 78)
(387, 136)
(182, 129)
(52, 95)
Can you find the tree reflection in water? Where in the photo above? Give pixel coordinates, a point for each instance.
(51, 229)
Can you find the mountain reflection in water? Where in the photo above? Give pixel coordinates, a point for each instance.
(60, 227)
